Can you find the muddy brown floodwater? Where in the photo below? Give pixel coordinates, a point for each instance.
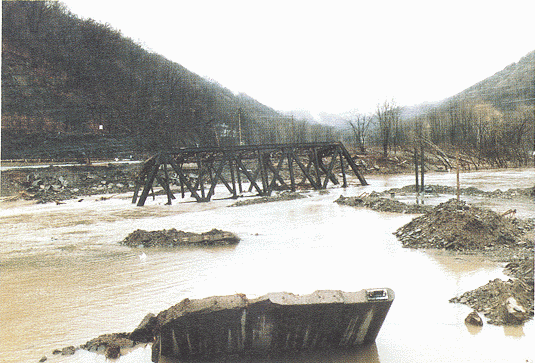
(65, 279)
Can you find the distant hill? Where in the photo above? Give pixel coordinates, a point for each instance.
(67, 81)
(505, 90)
(513, 85)
(492, 120)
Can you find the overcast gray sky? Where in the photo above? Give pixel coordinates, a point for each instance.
(329, 56)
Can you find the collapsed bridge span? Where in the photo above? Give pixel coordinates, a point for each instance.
(260, 168)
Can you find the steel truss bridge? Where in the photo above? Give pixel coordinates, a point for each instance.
(263, 168)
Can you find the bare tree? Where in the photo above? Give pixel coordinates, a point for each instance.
(360, 125)
(389, 115)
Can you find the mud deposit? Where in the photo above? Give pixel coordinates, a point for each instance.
(505, 302)
(285, 195)
(175, 238)
(375, 202)
(433, 189)
(457, 225)
(502, 302)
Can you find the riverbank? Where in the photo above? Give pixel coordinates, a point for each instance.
(59, 183)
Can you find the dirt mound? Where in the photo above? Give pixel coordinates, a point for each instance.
(377, 203)
(283, 196)
(521, 269)
(470, 191)
(174, 238)
(459, 226)
(502, 302)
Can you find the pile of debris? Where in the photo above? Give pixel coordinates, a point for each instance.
(114, 345)
(456, 225)
(54, 184)
(435, 189)
(283, 196)
(505, 302)
(175, 238)
(375, 202)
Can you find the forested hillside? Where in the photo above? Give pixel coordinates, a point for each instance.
(77, 84)
(494, 119)
(506, 89)
(491, 123)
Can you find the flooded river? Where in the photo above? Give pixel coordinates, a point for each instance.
(65, 280)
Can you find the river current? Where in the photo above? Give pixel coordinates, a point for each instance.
(64, 279)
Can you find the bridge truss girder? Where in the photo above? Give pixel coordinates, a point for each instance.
(264, 167)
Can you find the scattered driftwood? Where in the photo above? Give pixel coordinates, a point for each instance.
(441, 155)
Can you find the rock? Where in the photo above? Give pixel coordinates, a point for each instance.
(43, 359)
(473, 319)
(113, 351)
(111, 344)
(145, 331)
(502, 302)
(70, 350)
(514, 313)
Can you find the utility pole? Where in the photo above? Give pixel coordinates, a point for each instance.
(239, 126)
(416, 170)
(458, 176)
(293, 129)
(422, 165)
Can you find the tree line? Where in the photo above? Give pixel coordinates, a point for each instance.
(500, 137)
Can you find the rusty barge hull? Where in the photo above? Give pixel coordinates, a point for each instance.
(274, 325)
